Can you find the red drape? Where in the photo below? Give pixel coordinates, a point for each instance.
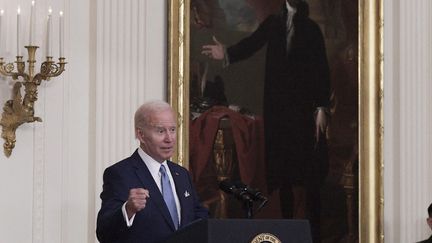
(248, 135)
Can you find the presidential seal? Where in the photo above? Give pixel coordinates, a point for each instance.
(265, 238)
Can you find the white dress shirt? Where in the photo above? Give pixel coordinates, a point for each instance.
(154, 166)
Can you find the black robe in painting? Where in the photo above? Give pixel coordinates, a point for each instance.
(296, 83)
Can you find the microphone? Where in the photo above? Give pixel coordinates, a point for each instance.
(254, 193)
(230, 188)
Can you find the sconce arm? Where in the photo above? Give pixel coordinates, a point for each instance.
(7, 69)
(49, 69)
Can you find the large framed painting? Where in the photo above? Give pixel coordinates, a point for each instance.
(239, 71)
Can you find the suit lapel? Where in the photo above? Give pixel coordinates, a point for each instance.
(148, 183)
(180, 188)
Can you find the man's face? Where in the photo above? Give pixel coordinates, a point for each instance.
(429, 222)
(158, 135)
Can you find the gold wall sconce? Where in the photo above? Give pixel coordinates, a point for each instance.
(20, 109)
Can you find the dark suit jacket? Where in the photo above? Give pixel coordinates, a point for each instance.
(153, 223)
(426, 241)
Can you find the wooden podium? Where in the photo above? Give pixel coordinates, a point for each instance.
(244, 231)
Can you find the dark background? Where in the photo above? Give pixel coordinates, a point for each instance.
(231, 20)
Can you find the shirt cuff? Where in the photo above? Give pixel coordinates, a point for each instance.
(129, 222)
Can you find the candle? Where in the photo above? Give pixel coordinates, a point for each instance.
(18, 31)
(32, 22)
(49, 29)
(1, 21)
(61, 34)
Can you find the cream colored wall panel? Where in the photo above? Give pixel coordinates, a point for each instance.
(56, 179)
(408, 116)
(155, 40)
(130, 61)
(75, 223)
(46, 178)
(130, 69)
(16, 186)
(391, 122)
(54, 129)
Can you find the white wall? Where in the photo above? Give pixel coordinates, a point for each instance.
(116, 57)
(130, 68)
(45, 182)
(408, 119)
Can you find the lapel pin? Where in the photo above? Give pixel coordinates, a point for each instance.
(176, 173)
(186, 194)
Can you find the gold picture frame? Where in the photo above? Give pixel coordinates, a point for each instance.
(370, 105)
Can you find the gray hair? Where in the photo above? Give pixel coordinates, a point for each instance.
(144, 112)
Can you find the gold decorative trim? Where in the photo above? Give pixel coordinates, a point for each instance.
(371, 121)
(178, 74)
(370, 108)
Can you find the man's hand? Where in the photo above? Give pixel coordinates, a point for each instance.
(137, 201)
(215, 51)
(320, 124)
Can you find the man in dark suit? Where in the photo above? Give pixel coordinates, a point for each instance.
(296, 100)
(429, 222)
(145, 197)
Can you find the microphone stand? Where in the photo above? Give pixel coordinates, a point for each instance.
(248, 206)
(245, 194)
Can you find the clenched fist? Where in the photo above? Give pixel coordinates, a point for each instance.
(136, 201)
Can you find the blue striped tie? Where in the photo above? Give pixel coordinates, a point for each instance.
(169, 196)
